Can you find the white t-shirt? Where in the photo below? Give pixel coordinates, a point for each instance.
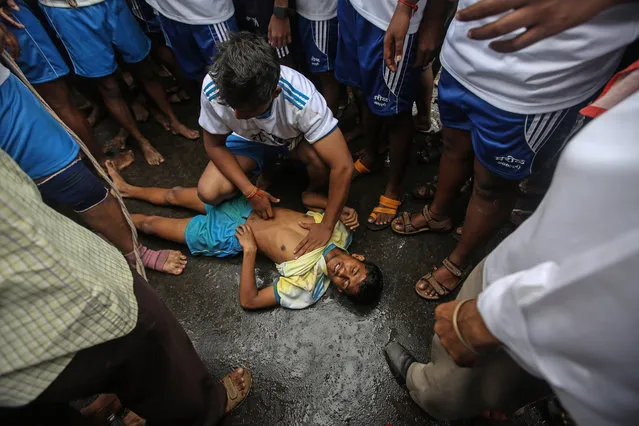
(195, 12)
(299, 112)
(4, 73)
(556, 73)
(562, 291)
(317, 10)
(380, 12)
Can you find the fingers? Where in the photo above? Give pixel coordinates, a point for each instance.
(289, 37)
(399, 49)
(271, 198)
(532, 36)
(12, 4)
(389, 52)
(305, 225)
(301, 247)
(520, 18)
(9, 19)
(485, 8)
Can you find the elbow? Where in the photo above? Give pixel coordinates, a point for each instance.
(248, 304)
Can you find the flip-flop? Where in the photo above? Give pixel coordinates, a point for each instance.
(234, 397)
(440, 289)
(388, 206)
(432, 225)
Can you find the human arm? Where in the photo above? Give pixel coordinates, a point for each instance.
(317, 202)
(431, 31)
(8, 41)
(540, 19)
(279, 27)
(224, 160)
(250, 296)
(396, 33)
(334, 153)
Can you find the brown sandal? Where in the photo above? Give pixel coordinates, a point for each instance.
(432, 225)
(439, 288)
(234, 397)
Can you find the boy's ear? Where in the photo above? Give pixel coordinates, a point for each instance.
(277, 92)
(358, 257)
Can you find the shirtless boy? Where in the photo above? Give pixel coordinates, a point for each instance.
(232, 226)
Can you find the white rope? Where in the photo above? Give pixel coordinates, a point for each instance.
(139, 266)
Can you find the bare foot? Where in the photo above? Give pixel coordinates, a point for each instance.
(180, 129)
(117, 179)
(174, 98)
(123, 159)
(175, 263)
(96, 114)
(128, 80)
(132, 419)
(140, 113)
(118, 142)
(183, 95)
(162, 120)
(151, 155)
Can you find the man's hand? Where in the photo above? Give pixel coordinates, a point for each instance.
(395, 35)
(540, 18)
(7, 15)
(9, 41)
(429, 37)
(349, 218)
(318, 236)
(472, 328)
(279, 32)
(261, 203)
(245, 236)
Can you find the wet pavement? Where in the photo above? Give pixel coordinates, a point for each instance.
(322, 365)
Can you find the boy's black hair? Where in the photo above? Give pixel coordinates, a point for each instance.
(371, 288)
(246, 71)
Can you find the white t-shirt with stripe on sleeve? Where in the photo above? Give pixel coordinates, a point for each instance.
(299, 112)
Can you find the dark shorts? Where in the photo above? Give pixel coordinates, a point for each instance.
(73, 186)
(254, 16)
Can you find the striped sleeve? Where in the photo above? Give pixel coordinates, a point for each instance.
(210, 112)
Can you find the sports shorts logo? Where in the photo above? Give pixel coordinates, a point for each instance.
(510, 162)
(380, 101)
(315, 61)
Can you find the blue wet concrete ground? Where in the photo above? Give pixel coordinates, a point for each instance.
(322, 365)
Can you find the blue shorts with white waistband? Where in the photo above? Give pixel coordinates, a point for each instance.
(509, 145)
(195, 46)
(91, 35)
(39, 59)
(360, 63)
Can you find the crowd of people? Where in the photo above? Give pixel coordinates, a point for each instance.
(523, 87)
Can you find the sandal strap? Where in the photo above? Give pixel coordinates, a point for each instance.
(231, 390)
(435, 285)
(454, 269)
(389, 202)
(384, 210)
(361, 167)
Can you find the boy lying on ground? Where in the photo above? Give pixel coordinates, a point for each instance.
(232, 226)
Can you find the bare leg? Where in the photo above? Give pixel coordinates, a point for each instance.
(400, 139)
(373, 130)
(164, 55)
(330, 89)
(118, 107)
(318, 173)
(176, 196)
(107, 218)
(163, 227)
(57, 94)
(424, 100)
(144, 74)
(213, 187)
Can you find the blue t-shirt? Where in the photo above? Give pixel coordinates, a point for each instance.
(29, 134)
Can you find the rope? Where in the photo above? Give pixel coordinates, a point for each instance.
(139, 266)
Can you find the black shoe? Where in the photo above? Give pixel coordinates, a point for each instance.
(398, 359)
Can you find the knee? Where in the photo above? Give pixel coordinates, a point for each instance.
(145, 224)
(109, 87)
(171, 195)
(456, 150)
(492, 188)
(215, 195)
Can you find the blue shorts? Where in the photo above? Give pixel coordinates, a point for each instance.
(319, 43)
(507, 144)
(30, 135)
(92, 34)
(39, 59)
(213, 234)
(195, 46)
(360, 64)
(256, 151)
(145, 16)
(73, 186)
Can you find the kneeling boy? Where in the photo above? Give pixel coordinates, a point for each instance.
(232, 226)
